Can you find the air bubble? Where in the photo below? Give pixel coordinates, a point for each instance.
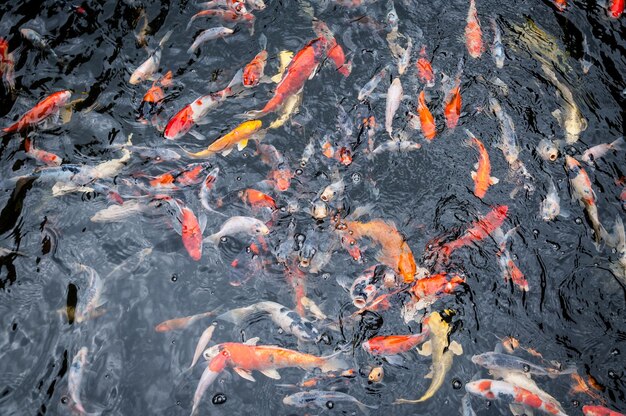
(174, 278)
(575, 403)
(299, 172)
(526, 368)
(330, 404)
(356, 177)
(578, 221)
(613, 375)
(223, 239)
(456, 384)
(615, 351)
(65, 400)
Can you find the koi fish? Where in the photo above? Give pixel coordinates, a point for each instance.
(75, 378)
(190, 228)
(90, 298)
(376, 375)
(388, 345)
(300, 69)
(596, 152)
(482, 176)
(368, 285)
(239, 225)
(238, 6)
(151, 103)
(288, 109)
(547, 150)
(452, 109)
(319, 398)
(258, 199)
(288, 320)
(203, 341)
(44, 109)
(225, 15)
(196, 112)
(497, 49)
(550, 207)
(426, 291)
(589, 410)
(427, 122)
(38, 42)
(367, 89)
(442, 351)
(151, 65)
(284, 58)
(425, 69)
(473, 33)
(254, 71)
(238, 137)
(619, 265)
(506, 362)
(50, 159)
(394, 95)
(616, 8)
(7, 65)
(280, 175)
(561, 5)
(189, 175)
(395, 252)
(582, 191)
(479, 230)
(495, 389)
(395, 145)
(207, 35)
(181, 323)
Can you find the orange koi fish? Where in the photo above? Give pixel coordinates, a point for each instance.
(191, 230)
(616, 9)
(452, 109)
(41, 111)
(335, 51)
(395, 252)
(480, 230)
(238, 137)
(257, 199)
(425, 69)
(48, 158)
(427, 122)
(190, 175)
(151, 103)
(394, 344)
(561, 5)
(254, 71)
(599, 411)
(473, 33)
(434, 285)
(482, 176)
(280, 175)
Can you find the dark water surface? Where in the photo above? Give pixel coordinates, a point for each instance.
(574, 312)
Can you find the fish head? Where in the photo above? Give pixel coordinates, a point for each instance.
(480, 388)
(261, 229)
(211, 353)
(257, 4)
(289, 400)
(376, 375)
(319, 210)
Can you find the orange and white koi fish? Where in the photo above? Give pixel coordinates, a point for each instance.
(600, 410)
(427, 122)
(44, 109)
(394, 344)
(47, 158)
(482, 176)
(427, 290)
(248, 357)
(196, 112)
(473, 33)
(616, 8)
(151, 65)
(395, 252)
(150, 107)
(238, 137)
(582, 191)
(254, 71)
(479, 230)
(189, 175)
(425, 69)
(495, 389)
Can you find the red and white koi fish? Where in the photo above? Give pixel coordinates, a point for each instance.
(44, 109)
(150, 107)
(479, 230)
(42, 156)
(254, 71)
(600, 410)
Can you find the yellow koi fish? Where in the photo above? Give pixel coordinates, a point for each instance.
(239, 137)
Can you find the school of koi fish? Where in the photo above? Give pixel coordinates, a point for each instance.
(310, 257)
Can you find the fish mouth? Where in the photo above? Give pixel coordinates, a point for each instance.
(359, 302)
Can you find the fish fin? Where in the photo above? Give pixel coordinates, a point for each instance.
(242, 144)
(244, 374)
(271, 373)
(276, 78)
(314, 72)
(426, 350)
(493, 180)
(430, 374)
(263, 41)
(197, 135)
(202, 221)
(334, 363)
(456, 348)
(557, 115)
(476, 165)
(252, 341)
(473, 174)
(564, 213)
(396, 360)
(213, 239)
(617, 144)
(165, 38)
(227, 151)
(66, 115)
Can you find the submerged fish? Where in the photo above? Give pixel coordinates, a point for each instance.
(482, 176)
(151, 65)
(209, 34)
(394, 95)
(239, 225)
(320, 398)
(46, 108)
(506, 362)
(75, 378)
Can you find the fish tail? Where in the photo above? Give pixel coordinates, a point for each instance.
(334, 362)
(165, 38)
(213, 239)
(263, 41)
(618, 144)
(236, 316)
